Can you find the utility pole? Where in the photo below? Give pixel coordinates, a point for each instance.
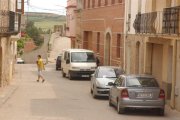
(28, 3)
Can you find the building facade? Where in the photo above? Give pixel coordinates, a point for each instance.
(102, 28)
(152, 44)
(71, 21)
(10, 23)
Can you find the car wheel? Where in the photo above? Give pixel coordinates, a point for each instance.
(63, 74)
(110, 103)
(161, 112)
(70, 76)
(119, 109)
(93, 93)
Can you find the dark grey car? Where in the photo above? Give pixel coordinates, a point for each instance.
(136, 91)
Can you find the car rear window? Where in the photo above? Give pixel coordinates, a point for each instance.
(141, 82)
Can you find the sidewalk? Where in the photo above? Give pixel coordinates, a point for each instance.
(8, 91)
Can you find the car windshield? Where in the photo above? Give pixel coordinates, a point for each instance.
(107, 73)
(141, 82)
(82, 57)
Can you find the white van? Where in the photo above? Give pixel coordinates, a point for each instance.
(78, 63)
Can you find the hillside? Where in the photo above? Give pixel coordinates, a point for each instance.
(45, 20)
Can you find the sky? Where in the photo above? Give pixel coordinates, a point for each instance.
(50, 6)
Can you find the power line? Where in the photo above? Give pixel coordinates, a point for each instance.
(55, 10)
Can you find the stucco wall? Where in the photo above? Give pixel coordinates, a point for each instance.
(7, 61)
(71, 22)
(177, 89)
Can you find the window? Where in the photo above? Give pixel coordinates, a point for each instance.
(84, 4)
(99, 3)
(119, 1)
(141, 82)
(112, 1)
(89, 2)
(20, 6)
(98, 42)
(106, 2)
(119, 82)
(118, 47)
(93, 3)
(82, 57)
(107, 73)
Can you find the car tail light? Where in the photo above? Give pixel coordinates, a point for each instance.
(162, 94)
(124, 93)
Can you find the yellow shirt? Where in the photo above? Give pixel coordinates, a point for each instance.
(40, 64)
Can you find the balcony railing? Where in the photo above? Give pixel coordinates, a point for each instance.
(165, 22)
(9, 23)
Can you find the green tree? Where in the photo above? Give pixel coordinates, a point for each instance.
(34, 33)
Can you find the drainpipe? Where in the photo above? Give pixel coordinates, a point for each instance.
(172, 103)
(125, 33)
(9, 4)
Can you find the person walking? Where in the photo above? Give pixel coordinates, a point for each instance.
(40, 66)
(97, 61)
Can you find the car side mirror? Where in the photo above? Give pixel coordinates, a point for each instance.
(67, 61)
(92, 75)
(111, 84)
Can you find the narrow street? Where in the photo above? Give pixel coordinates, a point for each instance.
(61, 99)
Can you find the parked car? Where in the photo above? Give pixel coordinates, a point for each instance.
(58, 62)
(78, 63)
(19, 61)
(100, 79)
(136, 91)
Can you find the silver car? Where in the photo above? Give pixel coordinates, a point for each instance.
(100, 79)
(136, 91)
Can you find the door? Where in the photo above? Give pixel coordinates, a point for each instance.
(1, 82)
(157, 60)
(137, 65)
(107, 49)
(66, 66)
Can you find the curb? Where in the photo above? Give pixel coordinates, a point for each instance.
(6, 94)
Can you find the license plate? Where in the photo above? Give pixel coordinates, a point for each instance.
(144, 95)
(85, 75)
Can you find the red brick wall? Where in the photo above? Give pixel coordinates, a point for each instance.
(29, 46)
(101, 19)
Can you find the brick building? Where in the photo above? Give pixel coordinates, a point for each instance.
(102, 28)
(71, 21)
(10, 24)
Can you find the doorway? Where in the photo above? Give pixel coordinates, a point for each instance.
(107, 49)
(137, 65)
(1, 82)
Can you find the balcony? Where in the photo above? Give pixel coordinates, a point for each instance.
(9, 23)
(164, 22)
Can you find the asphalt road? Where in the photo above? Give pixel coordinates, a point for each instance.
(31, 57)
(62, 99)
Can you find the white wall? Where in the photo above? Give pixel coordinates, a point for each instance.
(133, 10)
(177, 90)
(12, 5)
